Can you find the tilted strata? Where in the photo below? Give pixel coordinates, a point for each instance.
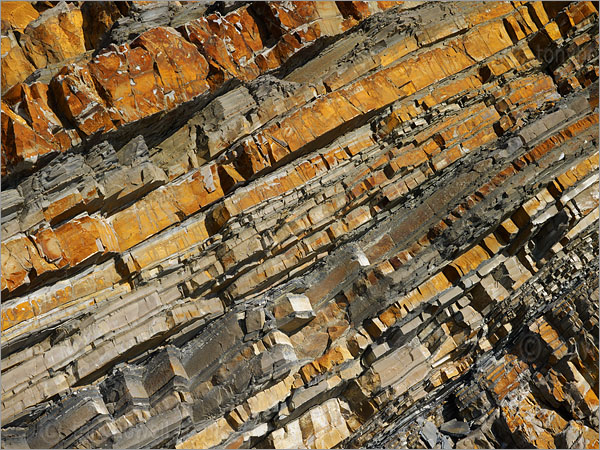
(302, 225)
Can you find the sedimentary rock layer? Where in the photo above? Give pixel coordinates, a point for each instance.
(299, 224)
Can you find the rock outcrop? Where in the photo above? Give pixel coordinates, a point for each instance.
(300, 224)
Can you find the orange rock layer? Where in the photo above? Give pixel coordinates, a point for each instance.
(300, 225)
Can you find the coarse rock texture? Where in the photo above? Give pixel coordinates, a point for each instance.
(299, 224)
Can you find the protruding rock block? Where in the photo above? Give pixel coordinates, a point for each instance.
(55, 36)
(229, 43)
(79, 101)
(15, 65)
(18, 15)
(293, 311)
(21, 144)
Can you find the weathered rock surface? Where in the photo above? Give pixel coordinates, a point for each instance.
(300, 225)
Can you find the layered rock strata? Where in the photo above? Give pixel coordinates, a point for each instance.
(300, 225)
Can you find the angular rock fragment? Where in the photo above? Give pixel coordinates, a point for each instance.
(293, 311)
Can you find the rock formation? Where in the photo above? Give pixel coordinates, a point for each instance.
(299, 224)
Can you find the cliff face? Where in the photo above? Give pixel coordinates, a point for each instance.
(299, 224)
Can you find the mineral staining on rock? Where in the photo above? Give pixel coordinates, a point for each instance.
(299, 224)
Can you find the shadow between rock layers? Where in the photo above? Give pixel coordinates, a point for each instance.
(300, 225)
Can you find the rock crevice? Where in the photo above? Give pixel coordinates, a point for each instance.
(300, 225)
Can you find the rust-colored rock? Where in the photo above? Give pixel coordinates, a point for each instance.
(17, 15)
(78, 100)
(15, 65)
(21, 143)
(300, 224)
(55, 36)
